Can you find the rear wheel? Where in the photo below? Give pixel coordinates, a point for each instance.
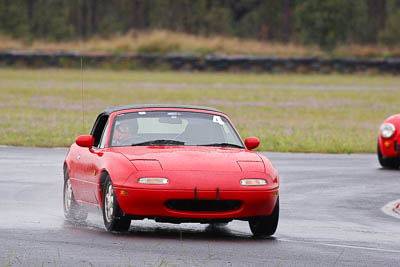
(388, 163)
(73, 211)
(113, 217)
(265, 225)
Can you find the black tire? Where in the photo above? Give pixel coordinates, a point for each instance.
(218, 225)
(387, 163)
(113, 217)
(265, 225)
(73, 211)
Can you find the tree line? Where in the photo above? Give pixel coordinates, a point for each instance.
(326, 23)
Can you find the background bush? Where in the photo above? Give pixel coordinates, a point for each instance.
(321, 22)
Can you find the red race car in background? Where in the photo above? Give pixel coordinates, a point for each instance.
(389, 142)
(171, 164)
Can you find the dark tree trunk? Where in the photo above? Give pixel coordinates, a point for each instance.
(84, 21)
(30, 7)
(30, 4)
(381, 12)
(287, 20)
(93, 16)
(138, 14)
(74, 16)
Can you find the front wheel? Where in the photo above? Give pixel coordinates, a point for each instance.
(265, 225)
(73, 211)
(113, 217)
(388, 163)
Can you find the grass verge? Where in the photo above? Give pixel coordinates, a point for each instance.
(166, 42)
(300, 113)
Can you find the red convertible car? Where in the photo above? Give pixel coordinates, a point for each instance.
(389, 143)
(171, 164)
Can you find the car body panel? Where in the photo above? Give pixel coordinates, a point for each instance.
(196, 158)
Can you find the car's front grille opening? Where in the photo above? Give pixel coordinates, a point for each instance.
(199, 205)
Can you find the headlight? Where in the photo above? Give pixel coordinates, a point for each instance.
(153, 180)
(387, 130)
(252, 182)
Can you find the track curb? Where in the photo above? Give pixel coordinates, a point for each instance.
(397, 208)
(392, 208)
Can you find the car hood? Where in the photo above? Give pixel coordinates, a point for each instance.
(192, 158)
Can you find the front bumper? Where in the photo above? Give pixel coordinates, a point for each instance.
(152, 203)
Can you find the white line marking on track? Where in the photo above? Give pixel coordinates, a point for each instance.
(327, 244)
(339, 245)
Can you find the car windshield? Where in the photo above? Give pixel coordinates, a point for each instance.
(147, 128)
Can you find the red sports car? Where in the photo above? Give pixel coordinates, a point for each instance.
(171, 164)
(389, 142)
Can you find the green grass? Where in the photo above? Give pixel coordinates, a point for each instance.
(302, 113)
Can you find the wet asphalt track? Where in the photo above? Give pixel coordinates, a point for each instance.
(330, 216)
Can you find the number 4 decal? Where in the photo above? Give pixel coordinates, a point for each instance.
(217, 119)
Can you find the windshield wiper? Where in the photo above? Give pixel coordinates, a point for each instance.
(159, 142)
(224, 145)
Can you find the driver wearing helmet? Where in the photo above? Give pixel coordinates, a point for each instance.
(125, 130)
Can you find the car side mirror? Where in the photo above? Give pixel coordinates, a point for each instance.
(85, 141)
(251, 143)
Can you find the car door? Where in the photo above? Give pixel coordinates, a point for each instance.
(90, 162)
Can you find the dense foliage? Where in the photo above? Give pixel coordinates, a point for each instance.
(321, 22)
